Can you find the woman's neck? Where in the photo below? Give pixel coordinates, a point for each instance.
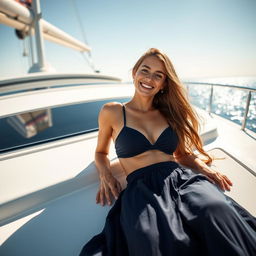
(143, 104)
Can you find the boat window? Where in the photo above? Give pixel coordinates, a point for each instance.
(45, 125)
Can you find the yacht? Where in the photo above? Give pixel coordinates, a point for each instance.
(48, 179)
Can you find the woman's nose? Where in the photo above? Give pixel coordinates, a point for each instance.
(149, 76)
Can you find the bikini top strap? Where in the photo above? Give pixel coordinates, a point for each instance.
(124, 115)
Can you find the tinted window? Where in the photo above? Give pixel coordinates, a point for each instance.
(46, 125)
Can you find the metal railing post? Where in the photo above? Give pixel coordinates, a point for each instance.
(246, 110)
(244, 88)
(210, 100)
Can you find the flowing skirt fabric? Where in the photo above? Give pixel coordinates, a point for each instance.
(168, 210)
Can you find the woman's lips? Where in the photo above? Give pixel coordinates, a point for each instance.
(146, 86)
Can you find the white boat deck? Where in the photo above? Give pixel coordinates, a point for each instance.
(240, 144)
(59, 219)
(62, 226)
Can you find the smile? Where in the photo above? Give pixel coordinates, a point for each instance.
(146, 86)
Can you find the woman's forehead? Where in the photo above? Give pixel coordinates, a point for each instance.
(153, 62)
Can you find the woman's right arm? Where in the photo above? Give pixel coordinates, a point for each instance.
(109, 186)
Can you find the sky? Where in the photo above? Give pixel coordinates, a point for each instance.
(203, 38)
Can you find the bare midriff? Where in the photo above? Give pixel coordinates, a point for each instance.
(145, 159)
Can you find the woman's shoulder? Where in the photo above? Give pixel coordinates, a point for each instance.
(111, 106)
(111, 109)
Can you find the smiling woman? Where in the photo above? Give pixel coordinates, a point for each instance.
(157, 76)
(166, 208)
(150, 75)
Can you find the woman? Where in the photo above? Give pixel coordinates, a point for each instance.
(166, 209)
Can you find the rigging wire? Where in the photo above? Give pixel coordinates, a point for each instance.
(89, 58)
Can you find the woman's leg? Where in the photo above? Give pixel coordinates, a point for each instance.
(225, 227)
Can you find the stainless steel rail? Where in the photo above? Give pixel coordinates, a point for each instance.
(248, 101)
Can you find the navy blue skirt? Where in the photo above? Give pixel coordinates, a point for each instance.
(169, 210)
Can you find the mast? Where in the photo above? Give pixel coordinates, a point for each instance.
(15, 15)
(40, 66)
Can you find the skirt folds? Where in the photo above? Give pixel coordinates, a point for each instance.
(169, 210)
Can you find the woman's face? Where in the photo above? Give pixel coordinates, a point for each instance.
(150, 77)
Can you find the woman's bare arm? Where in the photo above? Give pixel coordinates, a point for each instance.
(109, 186)
(192, 161)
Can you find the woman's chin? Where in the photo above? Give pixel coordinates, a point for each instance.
(146, 92)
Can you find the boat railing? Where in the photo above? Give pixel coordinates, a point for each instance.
(236, 87)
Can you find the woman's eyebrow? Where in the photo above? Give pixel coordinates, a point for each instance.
(150, 68)
(146, 66)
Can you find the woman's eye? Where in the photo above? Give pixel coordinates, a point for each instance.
(144, 71)
(159, 76)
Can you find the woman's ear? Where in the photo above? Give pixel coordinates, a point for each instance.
(165, 84)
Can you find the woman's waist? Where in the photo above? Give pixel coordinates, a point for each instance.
(134, 163)
(155, 167)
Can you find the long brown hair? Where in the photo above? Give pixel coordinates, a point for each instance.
(175, 107)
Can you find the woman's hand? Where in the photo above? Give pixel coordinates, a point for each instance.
(219, 179)
(109, 188)
(192, 161)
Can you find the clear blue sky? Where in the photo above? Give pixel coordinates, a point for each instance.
(203, 38)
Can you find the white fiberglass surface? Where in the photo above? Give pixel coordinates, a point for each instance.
(27, 173)
(63, 226)
(44, 98)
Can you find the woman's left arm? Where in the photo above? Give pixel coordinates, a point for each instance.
(193, 162)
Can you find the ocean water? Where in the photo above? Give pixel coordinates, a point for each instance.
(229, 103)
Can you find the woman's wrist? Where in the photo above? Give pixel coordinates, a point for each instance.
(105, 174)
(103, 170)
(202, 167)
(102, 164)
(206, 170)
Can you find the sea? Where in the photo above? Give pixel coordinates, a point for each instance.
(227, 102)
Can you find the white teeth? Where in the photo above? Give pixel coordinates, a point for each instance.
(146, 86)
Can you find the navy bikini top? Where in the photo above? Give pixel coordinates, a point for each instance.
(131, 142)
